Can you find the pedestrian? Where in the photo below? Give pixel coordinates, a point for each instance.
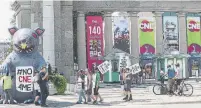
(82, 90)
(89, 95)
(36, 88)
(178, 77)
(122, 80)
(162, 75)
(141, 75)
(7, 87)
(128, 83)
(43, 83)
(171, 81)
(96, 83)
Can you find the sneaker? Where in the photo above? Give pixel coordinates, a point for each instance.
(101, 100)
(44, 105)
(95, 102)
(36, 103)
(78, 102)
(125, 97)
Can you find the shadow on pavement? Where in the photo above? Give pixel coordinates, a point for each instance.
(59, 104)
(167, 103)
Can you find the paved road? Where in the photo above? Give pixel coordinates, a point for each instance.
(142, 98)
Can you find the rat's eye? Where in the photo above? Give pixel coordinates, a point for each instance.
(34, 35)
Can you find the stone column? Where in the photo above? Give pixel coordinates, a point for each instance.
(81, 41)
(159, 32)
(48, 36)
(108, 35)
(182, 33)
(23, 13)
(134, 37)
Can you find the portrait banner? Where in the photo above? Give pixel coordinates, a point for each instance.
(147, 35)
(170, 33)
(193, 35)
(121, 32)
(24, 77)
(94, 36)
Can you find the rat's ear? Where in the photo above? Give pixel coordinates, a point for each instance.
(39, 31)
(12, 30)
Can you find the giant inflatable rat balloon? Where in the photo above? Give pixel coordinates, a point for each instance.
(25, 53)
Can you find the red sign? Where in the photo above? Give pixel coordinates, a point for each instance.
(146, 26)
(94, 37)
(193, 26)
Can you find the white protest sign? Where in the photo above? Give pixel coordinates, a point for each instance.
(104, 67)
(135, 68)
(24, 75)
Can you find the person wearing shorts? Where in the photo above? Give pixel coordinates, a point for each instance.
(36, 88)
(89, 86)
(96, 81)
(127, 86)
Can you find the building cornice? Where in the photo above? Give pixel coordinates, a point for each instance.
(17, 6)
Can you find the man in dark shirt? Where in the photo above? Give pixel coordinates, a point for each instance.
(82, 91)
(43, 75)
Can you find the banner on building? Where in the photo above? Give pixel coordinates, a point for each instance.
(147, 35)
(104, 67)
(193, 35)
(94, 25)
(121, 31)
(24, 77)
(170, 33)
(135, 68)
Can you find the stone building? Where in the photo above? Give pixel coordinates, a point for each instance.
(64, 41)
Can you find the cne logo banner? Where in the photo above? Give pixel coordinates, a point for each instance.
(193, 26)
(146, 26)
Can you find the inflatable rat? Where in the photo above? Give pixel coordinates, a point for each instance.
(25, 54)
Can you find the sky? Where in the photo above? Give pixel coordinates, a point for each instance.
(6, 14)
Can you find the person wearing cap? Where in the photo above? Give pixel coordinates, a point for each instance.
(7, 86)
(36, 88)
(43, 75)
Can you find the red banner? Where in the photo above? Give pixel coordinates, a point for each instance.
(94, 37)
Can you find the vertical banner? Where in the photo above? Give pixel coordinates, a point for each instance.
(121, 31)
(193, 35)
(94, 25)
(170, 31)
(147, 35)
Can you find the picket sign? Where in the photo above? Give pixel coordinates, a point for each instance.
(24, 75)
(104, 67)
(135, 68)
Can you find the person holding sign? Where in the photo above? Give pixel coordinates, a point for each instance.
(7, 86)
(43, 86)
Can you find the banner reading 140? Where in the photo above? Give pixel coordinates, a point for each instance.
(193, 34)
(147, 31)
(94, 40)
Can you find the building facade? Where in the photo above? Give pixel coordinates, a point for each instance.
(65, 39)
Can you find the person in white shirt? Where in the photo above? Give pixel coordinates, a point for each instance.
(178, 76)
(36, 88)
